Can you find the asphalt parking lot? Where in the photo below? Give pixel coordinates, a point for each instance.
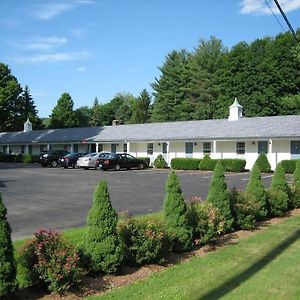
(59, 198)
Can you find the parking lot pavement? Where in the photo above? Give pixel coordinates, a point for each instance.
(60, 198)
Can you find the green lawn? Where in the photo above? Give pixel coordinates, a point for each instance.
(264, 266)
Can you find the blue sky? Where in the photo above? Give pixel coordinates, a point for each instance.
(98, 48)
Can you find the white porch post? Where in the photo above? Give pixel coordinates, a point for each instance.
(168, 151)
(48, 147)
(26, 149)
(128, 147)
(72, 148)
(215, 148)
(97, 148)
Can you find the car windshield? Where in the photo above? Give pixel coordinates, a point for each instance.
(111, 156)
(90, 154)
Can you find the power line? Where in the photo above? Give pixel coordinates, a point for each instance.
(270, 8)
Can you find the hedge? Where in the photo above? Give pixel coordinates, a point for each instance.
(289, 166)
(185, 163)
(21, 158)
(234, 165)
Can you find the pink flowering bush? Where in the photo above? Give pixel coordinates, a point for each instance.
(51, 261)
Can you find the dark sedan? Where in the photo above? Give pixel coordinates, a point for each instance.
(70, 160)
(120, 161)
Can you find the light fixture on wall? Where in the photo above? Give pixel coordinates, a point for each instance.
(195, 144)
(253, 143)
(159, 144)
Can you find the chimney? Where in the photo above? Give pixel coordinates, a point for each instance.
(27, 126)
(115, 122)
(235, 111)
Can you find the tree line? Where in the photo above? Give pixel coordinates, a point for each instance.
(201, 84)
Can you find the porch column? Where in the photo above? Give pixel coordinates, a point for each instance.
(168, 151)
(48, 147)
(128, 147)
(26, 149)
(72, 148)
(97, 147)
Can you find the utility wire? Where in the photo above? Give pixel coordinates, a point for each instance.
(270, 8)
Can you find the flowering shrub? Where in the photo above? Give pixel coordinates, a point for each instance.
(50, 260)
(145, 242)
(206, 221)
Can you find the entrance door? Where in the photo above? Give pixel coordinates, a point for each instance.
(165, 151)
(113, 148)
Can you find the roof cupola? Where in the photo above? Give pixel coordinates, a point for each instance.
(27, 126)
(235, 111)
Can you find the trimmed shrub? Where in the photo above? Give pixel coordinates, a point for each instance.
(233, 164)
(8, 282)
(246, 209)
(175, 213)
(160, 162)
(145, 242)
(207, 163)
(263, 163)
(289, 166)
(146, 159)
(206, 221)
(103, 246)
(296, 174)
(256, 188)
(277, 201)
(29, 158)
(295, 196)
(185, 163)
(218, 195)
(50, 260)
(279, 181)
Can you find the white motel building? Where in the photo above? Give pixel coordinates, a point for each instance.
(235, 137)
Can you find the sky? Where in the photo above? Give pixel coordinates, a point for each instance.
(98, 48)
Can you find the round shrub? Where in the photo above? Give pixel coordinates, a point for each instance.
(288, 166)
(175, 213)
(50, 260)
(160, 162)
(145, 242)
(102, 245)
(277, 201)
(206, 221)
(207, 163)
(263, 163)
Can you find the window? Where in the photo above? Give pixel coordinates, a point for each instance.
(206, 147)
(125, 148)
(150, 148)
(189, 147)
(262, 147)
(295, 147)
(113, 148)
(164, 148)
(30, 149)
(22, 149)
(240, 148)
(100, 147)
(75, 148)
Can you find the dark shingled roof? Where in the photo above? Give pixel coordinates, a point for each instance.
(244, 128)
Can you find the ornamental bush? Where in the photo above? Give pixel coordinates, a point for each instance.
(206, 221)
(277, 201)
(233, 164)
(102, 244)
(296, 174)
(289, 166)
(246, 209)
(145, 241)
(263, 163)
(8, 282)
(295, 196)
(29, 158)
(207, 163)
(279, 181)
(160, 162)
(185, 163)
(218, 196)
(175, 214)
(50, 260)
(256, 188)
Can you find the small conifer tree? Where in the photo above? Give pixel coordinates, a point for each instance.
(296, 174)
(160, 162)
(205, 163)
(8, 282)
(103, 245)
(175, 211)
(279, 181)
(256, 188)
(219, 197)
(263, 163)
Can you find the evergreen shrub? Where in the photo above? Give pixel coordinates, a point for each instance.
(207, 163)
(50, 260)
(289, 166)
(8, 282)
(29, 158)
(185, 163)
(206, 221)
(175, 215)
(160, 162)
(296, 174)
(218, 196)
(246, 209)
(295, 196)
(263, 163)
(145, 241)
(256, 188)
(233, 164)
(277, 202)
(279, 181)
(103, 246)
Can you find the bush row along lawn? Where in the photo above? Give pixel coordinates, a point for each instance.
(263, 266)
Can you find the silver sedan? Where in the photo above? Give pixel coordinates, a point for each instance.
(90, 160)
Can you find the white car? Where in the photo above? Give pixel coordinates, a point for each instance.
(90, 160)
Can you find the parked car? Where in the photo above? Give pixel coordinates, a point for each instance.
(70, 160)
(90, 160)
(51, 158)
(120, 161)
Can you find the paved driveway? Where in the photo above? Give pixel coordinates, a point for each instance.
(58, 198)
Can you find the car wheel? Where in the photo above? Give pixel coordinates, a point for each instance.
(141, 166)
(54, 163)
(117, 167)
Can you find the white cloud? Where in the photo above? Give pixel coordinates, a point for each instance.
(81, 69)
(260, 6)
(50, 10)
(53, 57)
(45, 43)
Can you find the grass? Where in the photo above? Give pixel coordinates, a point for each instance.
(264, 266)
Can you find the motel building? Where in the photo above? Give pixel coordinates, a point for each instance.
(235, 137)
